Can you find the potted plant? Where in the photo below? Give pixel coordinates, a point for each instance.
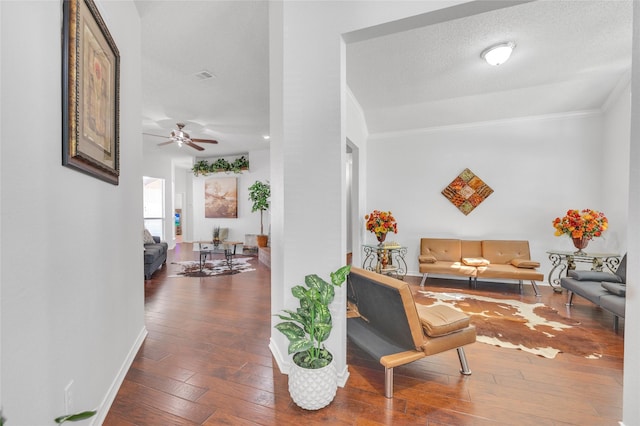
(259, 194)
(313, 377)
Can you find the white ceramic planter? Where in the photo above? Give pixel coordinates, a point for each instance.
(313, 389)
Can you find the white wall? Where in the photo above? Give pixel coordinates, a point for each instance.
(247, 222)
(158, 164)
(308, 141)
(71, 252)
(538, 167)
(614, 156)
(631, 393)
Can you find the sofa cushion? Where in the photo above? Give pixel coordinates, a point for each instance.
(475, 261)
(440, 320)
(502, 251)
(509, 272)
(427, 258)
(614, 288)
(441, 248)
(613, 304)
(621, 271)
(448, 268)
(151, 253)
(525, 263)
(594, 276)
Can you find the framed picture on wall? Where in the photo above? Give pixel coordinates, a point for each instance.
(90, 93)
(221, 197)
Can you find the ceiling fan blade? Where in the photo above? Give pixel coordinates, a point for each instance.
(165, 143)
(204, 140)
(158, 136)
(194, 146)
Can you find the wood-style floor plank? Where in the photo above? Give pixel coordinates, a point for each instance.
(206, 361)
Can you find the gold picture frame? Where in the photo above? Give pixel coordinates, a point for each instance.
(91, 93)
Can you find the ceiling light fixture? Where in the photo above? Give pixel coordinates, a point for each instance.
(179, 136)
(498, 54)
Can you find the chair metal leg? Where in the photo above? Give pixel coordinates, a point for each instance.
(569, 298)
(463, 362)
(388, 382)
(616, 323)
(520, 286)
(424, 278)
(535, 288)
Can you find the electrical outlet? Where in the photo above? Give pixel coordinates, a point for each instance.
(68, 398)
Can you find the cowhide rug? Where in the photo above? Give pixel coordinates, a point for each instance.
(531, 327)
(191, 268)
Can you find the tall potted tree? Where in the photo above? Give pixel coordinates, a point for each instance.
(313, 378)
(259, 194)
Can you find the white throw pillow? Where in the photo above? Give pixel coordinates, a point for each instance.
(147, 237)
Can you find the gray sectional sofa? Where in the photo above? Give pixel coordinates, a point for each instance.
(155, 255)
(605, 289)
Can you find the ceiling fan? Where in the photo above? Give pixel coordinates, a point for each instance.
(181, 137)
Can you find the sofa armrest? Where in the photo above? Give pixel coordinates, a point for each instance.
(156, 239)
(594, 276)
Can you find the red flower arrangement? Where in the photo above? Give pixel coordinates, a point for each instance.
(380, 223)
(585, 223)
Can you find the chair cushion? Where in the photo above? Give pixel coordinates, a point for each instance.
(615, 288)
(440, 320)
(475, 261)
(525, 263)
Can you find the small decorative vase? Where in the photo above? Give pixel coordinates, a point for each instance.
(381, 238)
(580, 243)
(384, 259)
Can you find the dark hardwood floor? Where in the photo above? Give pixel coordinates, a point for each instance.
(206, 361)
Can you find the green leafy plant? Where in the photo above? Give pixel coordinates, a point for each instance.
(200, 168)
(220, 165)
(240, 163)
(259, 194)
(75, 417)
(310, 325)
(62, 419)
(203, 167)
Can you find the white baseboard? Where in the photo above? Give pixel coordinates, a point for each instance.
(103, 410)
(343, 376)
(283, 363)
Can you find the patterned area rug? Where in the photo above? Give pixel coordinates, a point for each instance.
(211, 268)
(531, 327)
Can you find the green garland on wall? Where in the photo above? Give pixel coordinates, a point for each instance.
(203, 167)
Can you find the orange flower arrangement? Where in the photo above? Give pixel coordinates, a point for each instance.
(585, 223)
(380, 223)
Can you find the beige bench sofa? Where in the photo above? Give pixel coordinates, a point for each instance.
(502, 259)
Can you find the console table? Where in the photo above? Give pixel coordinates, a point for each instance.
(387, 260)
(565, 261)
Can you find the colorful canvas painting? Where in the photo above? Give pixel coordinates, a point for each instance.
(467, 191)
(221, 197)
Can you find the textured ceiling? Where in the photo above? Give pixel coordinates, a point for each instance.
(227, 38)
(570, 56)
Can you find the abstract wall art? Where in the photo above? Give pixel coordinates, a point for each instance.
(467, 191)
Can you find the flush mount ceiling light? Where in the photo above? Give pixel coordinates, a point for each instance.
(498, 54)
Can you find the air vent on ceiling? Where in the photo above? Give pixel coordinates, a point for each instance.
(204, 75)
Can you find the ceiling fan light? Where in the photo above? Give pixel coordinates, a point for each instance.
(498, 54)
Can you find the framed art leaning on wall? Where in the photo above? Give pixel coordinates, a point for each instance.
(90, 93)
